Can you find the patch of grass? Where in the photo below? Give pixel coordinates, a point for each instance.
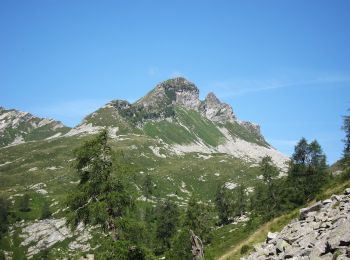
(169, 132)
(241, 132)
(200, 126)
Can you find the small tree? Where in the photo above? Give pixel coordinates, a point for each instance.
(240, 200)
(24, 203)
(198, 219)
(167, 222)
(3, 216)
(223, 203)
(45, 211)
(148, 187)
(346, 128)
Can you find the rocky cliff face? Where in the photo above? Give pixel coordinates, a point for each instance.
(17, 127)
(216, 111)
(176, 91)
(321, 232)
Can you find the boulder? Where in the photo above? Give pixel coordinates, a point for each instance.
(305, 211)
(270, 237)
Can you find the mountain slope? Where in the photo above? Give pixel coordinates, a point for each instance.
(17, 127)
(173, 113)
(188, 147)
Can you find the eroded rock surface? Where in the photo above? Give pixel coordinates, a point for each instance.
(321, 232)
(43, 234)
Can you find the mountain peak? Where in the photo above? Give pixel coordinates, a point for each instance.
(178, 84)
(213, 109)
(177, 90)
(212, 98)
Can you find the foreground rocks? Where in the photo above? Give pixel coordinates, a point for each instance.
(321, 232)
(43, 234)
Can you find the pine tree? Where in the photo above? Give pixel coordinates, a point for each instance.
(167, 222)
(3, 215)
(223, 203)
(24, 203)
(265, 200)
(198, 219)
(148, 187)
(240, 200)
(307, 172)
(45, 211)
(346, 128)
(99, 197)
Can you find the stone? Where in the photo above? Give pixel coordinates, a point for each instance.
(216, 111)
(305, 211)
(327, 201)
(347, 191)
(270, 236)
(281, 246)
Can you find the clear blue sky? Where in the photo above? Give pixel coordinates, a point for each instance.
(282, 64)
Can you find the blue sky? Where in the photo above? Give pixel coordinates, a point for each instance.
(282, 64)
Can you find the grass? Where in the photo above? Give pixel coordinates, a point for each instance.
(132, 158)
(169, 132)
(200, 126)
(259, 235)
(239, 131)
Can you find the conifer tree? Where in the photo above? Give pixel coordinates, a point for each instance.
(223, 203)
(346, 128)
(24, 203)
(99, 198)
(167, 222)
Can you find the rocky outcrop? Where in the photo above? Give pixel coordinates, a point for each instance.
(217, 111)
(43, 234)
(321, 232)
(176, 91)
(253, 128)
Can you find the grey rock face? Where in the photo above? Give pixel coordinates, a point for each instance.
(216, 111)
(322, 232)
(43, 234)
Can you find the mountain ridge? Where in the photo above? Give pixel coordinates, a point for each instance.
(17, 127)
(173, 114)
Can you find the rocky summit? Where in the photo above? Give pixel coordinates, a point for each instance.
(206, 126)
(321, 232)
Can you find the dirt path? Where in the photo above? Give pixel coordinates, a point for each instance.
(263, 229)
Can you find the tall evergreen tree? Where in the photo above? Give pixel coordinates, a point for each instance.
(223, 203)
(265, 201)
(99, 197)
(240, 200)
(307, 172)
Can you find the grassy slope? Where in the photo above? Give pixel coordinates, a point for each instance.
(239, 131)
(175, 176)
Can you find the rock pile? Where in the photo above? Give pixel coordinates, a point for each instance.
(321, 232)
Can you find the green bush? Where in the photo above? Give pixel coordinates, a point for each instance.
(245, 249)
